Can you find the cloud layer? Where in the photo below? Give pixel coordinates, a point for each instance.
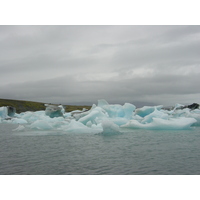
(81, 64)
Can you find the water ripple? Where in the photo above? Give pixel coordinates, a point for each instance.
(137, 152)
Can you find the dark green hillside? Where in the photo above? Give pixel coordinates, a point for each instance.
(23, 106)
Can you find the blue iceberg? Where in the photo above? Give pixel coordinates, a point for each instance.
(103, 118)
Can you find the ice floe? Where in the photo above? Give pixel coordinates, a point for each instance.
(104, 118)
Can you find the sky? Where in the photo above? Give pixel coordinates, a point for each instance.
(81, 64)
(149, 65)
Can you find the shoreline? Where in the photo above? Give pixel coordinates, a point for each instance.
(23, 106)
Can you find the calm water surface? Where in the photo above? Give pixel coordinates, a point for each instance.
(134, 152)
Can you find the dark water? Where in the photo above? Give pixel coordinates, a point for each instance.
(133, 152)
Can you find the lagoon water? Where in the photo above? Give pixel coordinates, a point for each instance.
(134, 152)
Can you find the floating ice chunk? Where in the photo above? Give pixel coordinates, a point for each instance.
(3, 112)
(79, 114)
(128, 110)
(89, 124)
(119, 120)
(93, 106)
(18, 121)
(114, 110)
(11, 111)
(75, 127)
(40, 113)
(54, 110)
(62, 109)
(195, 116)
(146, 110)
(197, 111)
(7, 111)
(41, 125)
(181, 113)
(67, 114)
(31, 117)
(177, 108)
(117, 110)
(157, 123)
(62, 125)
(95, 113)
(109, 128)
(56, 122)
(125, 111)
(154, 114)
(78, 127)
(137, 117)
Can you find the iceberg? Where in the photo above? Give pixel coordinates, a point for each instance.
(7, 111)
(78, 127)
(3, 112)
(41, 125)
(117, 110)
(54, 110)
(18, 121)
(162, 124)
(103, 118)
(94, 116)
(146, 110)
(110, 128)
(11, 111)
(155, 114)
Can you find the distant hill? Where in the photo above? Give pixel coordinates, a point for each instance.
(23, 106)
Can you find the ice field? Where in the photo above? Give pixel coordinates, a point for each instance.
(104, 118)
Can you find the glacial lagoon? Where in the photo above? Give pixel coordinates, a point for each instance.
(107, 140)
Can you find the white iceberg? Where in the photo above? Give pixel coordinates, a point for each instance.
(3, 112)
(146, 110)
(155, 114)
(163, 124)
(78, 127)
(41, 125)
(109, 128)
(96, 113)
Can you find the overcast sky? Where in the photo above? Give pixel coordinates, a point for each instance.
(81, 64)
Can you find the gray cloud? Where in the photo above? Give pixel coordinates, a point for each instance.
(81, 64)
